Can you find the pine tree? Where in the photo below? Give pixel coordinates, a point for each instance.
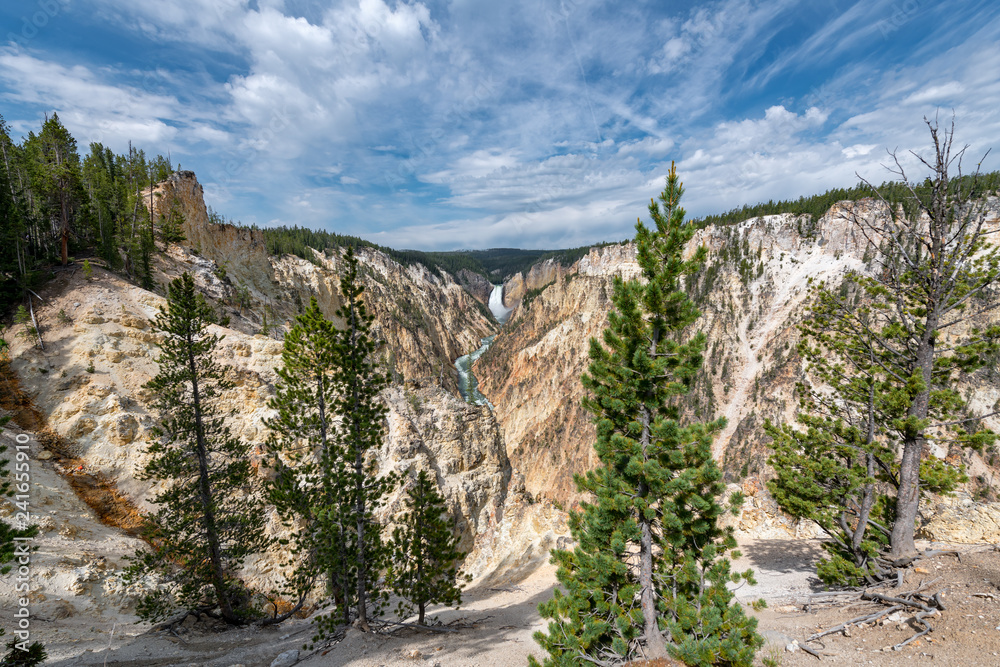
(55, 172)
(360, 379)
(28, 656)
(310, 488)
(838, 468)
(209, 516)
(14, 226)
(172, 224)
(648, 575)
(880, 347)
(104, 183)
(425, 556)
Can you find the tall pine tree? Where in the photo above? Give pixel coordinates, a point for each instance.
(648, 575)
(310, 489)
(55, 177)
(359, 379)
(209, 516)
(425, 553)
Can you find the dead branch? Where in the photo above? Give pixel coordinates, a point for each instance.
(38, 332)
(919, 618)
(432, 628)
(889, 599)
(867, 618)
(811, 651)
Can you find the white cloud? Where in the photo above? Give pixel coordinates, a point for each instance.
(509, 124)
(942, 94)
(479, 164)
(858, 150)
(93, 108)
(652, 146)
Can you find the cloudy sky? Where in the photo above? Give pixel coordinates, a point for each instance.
(477, 123)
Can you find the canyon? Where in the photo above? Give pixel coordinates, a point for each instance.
(486, 391)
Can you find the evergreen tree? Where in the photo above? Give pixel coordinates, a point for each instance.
(650, 563)
(209, 517)
(882, 352)
(14, 226)
(425, 556)
(55, 171)
(172, 224)
(310, 490)
(104, 182)
(359, 381)
(29, 656)
(838, 468)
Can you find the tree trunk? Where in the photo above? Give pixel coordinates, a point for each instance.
(656, 646)
(422, 554)
(362, 565)
(868, 493)
(359, 500)
(908, 497)
(65, 233)
(205, 491)
(864, 512)
(344, 580)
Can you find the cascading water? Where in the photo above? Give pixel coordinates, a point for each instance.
(500, 311)
(468, 387)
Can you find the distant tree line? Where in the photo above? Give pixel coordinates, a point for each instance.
(494, 264)
(818, 205)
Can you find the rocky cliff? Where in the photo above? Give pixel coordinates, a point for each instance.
(752, 291)
(88, 395)
(87, 386)
(476, 285)
(538, 277)
(426, 319)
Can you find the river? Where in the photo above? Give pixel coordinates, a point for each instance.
(468, 387)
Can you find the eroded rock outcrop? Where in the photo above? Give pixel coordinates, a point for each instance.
(752, 291)
(426, 319)
(538, 276)
(964, 523)
(476, 285)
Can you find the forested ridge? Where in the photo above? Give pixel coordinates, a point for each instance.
(55, 205)
(495, 264)
(817, 205)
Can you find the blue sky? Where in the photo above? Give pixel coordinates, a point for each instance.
(472, 124)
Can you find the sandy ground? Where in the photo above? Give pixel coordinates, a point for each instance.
(497, 625)
(80, 621)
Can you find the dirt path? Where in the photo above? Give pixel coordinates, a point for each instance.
(497, 625)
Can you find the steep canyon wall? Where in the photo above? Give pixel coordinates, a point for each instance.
(752, 292)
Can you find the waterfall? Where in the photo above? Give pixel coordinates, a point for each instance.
(500, 311)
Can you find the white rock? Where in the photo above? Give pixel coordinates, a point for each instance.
(286, 659)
